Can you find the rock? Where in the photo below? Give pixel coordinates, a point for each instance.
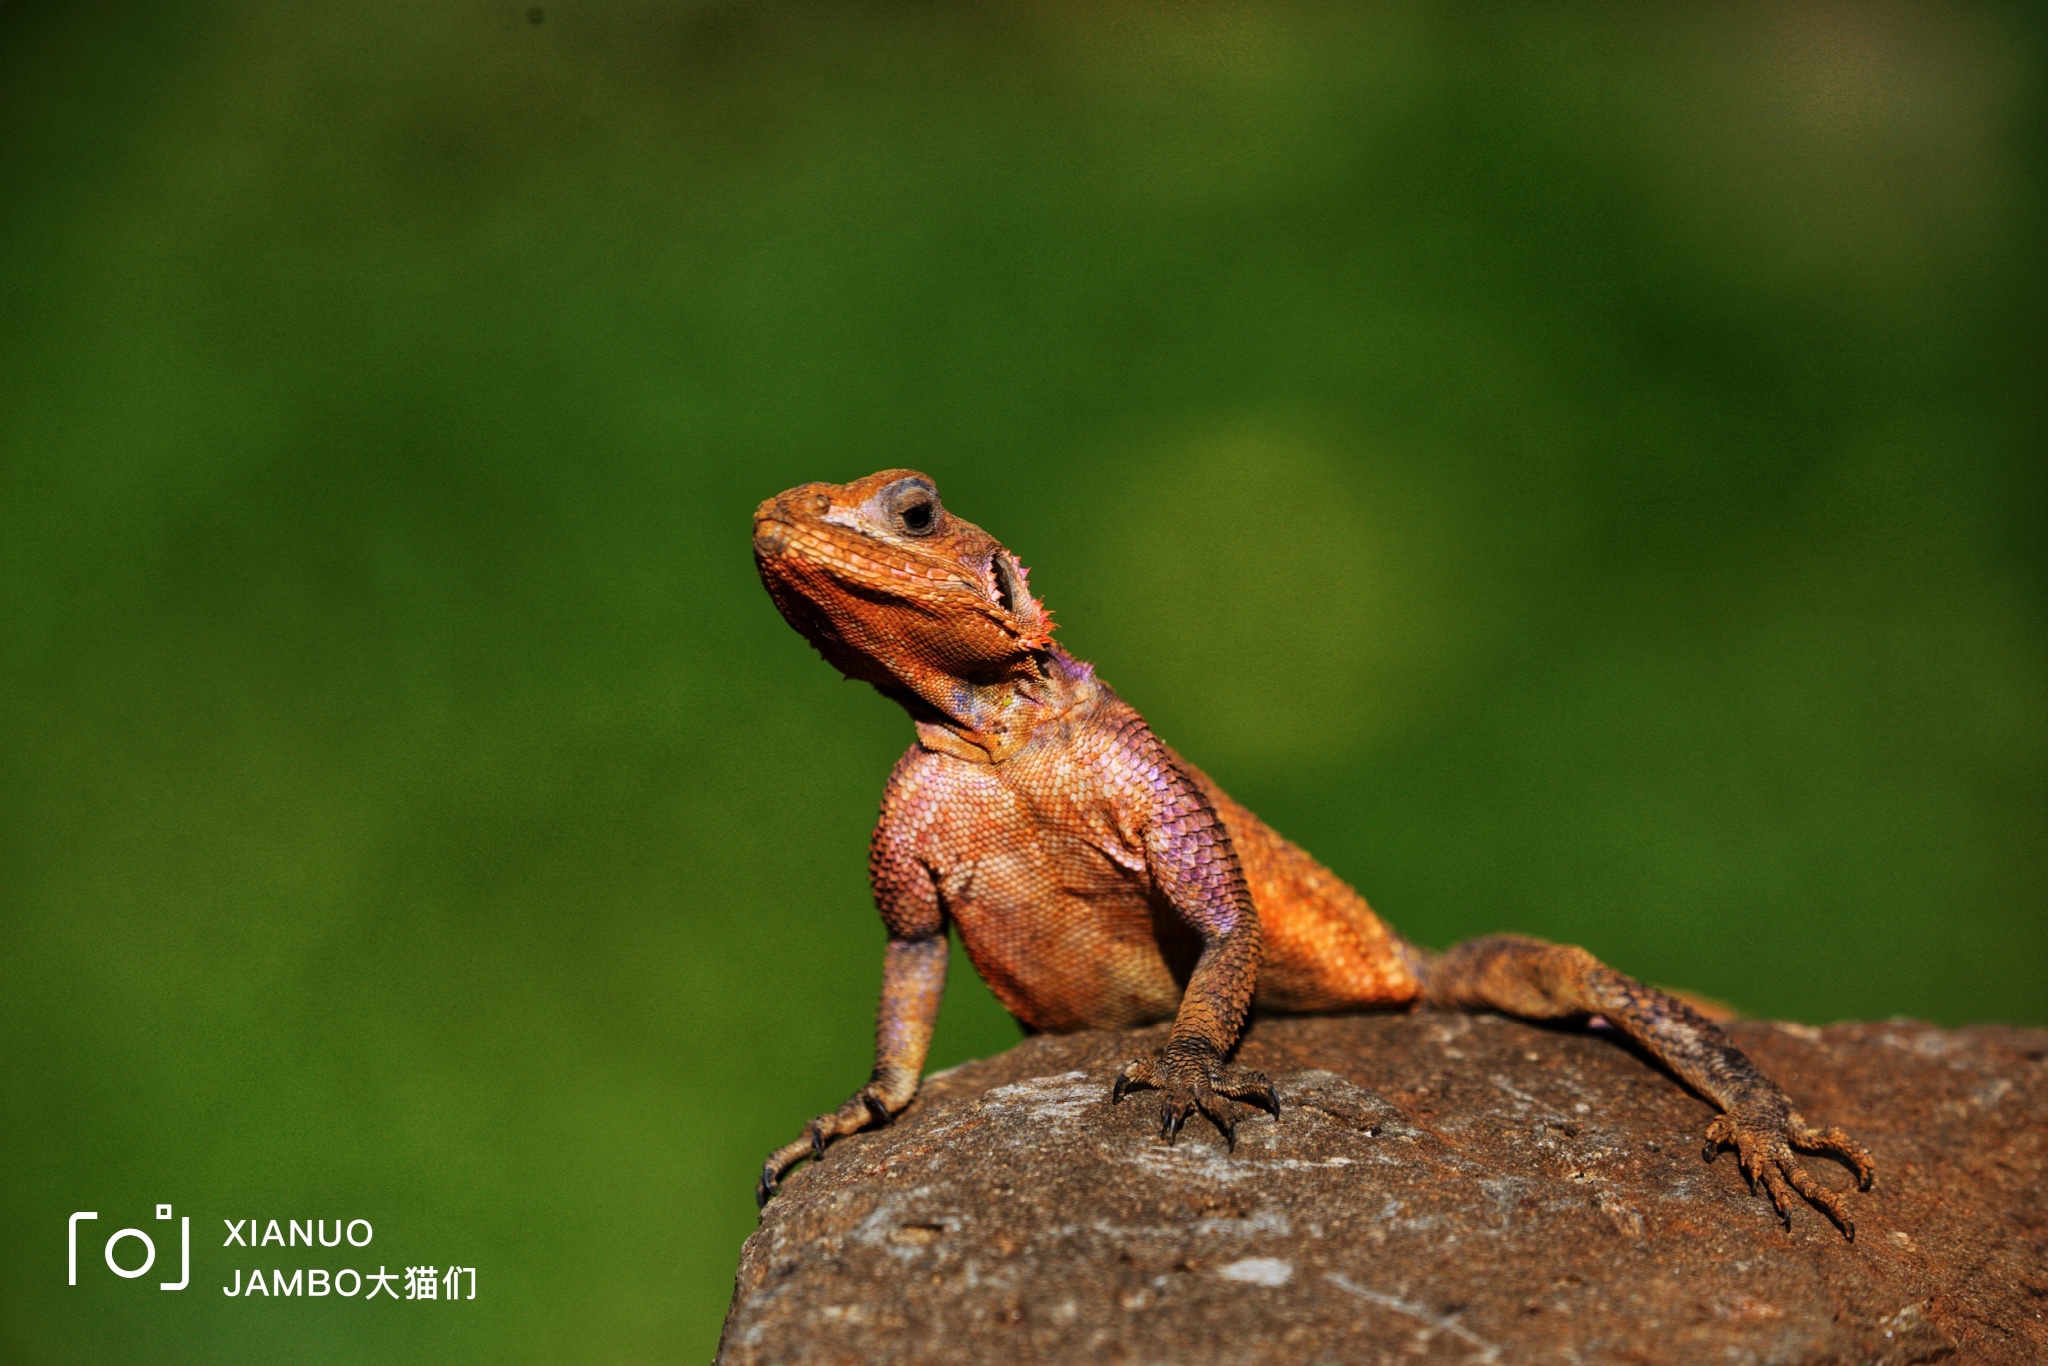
(1437, 1188)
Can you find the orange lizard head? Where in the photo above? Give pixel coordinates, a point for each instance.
(894, 590)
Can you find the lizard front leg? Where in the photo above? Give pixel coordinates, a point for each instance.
(1190, 1070)
(1535, 980)
(1195, 868)
(913, 980)
(913, 973)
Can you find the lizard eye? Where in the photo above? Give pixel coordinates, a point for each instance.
(915, 505)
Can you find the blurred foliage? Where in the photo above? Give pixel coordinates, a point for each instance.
(1578, 470)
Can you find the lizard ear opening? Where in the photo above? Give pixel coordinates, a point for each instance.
(1011, 594)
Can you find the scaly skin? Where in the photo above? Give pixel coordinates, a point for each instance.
(1099, 880)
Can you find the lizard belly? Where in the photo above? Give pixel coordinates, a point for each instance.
(1060, 953)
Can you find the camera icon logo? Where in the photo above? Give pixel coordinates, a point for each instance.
(121, 1236)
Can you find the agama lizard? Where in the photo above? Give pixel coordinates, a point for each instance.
(1099, 881)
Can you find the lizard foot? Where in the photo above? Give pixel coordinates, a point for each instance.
(865, 1109)
(1195, 1078)
(1764, 1136)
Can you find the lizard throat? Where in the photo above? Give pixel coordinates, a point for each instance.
(992, 724)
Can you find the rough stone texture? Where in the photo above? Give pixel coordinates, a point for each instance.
(1438, 1188)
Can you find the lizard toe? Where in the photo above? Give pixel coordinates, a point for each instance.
(1836, 1143)
(1172, 1115)
(1252, 1088)
(865, 1109)
(1138, 1075)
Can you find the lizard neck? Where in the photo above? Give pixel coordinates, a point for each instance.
(986, 723)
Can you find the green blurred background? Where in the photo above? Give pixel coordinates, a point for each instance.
(1578, 470)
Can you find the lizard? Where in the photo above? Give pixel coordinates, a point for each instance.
(1097, 880)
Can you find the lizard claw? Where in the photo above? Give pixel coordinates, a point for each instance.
(1125, 1081)
(1171, 1117)
(1194, 1078)
(1764, 1135)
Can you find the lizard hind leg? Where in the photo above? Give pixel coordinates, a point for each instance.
(1540, 981)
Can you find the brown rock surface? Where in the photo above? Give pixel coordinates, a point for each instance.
(1438, 1188)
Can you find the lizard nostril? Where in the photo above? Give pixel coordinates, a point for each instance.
(770, 538)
